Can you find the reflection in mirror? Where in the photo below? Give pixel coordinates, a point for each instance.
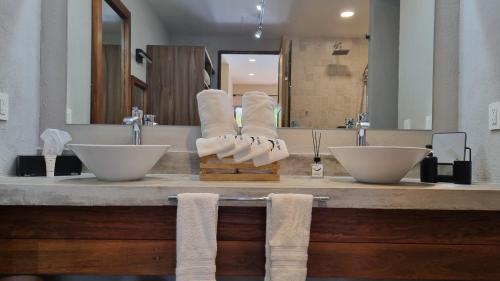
(243, 72)
(98, 62)
(323, 61)
(139, 94)
(111, 98)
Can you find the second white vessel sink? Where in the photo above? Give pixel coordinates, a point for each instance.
(379, 164)
(119, 162)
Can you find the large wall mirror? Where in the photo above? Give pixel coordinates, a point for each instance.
(323, 61)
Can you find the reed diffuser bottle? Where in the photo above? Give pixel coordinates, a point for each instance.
(317, 166)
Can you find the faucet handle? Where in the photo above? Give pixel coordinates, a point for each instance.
(349, 123)
(363, 120)
(149, 120)
(130, 120)
(136, 112)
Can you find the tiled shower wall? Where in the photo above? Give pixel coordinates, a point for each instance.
(326, 89)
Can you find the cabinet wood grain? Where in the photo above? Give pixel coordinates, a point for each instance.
(246, 258)
(349, 243)
(248, 224)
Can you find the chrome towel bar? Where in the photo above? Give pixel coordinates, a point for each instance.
(264, 198)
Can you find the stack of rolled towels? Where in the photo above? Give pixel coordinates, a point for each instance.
(258, 142)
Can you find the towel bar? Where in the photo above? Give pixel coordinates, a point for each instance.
(264, 198)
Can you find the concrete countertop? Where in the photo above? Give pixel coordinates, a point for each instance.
(154, 190)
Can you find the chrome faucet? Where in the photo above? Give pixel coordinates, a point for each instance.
(136, 121)
(362, 126)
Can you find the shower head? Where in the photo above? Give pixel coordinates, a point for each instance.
(341, 52)
(338, 50)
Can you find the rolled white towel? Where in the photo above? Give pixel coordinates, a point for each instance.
(260, 146)
(258, 115)
(215, 145)
(241, 143)
(278, 152)
(216, 114)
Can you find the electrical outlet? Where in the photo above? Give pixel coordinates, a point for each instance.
(4, 107)
(493, 122)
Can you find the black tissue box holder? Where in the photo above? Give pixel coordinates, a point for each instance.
(461, 171)
(34, 166)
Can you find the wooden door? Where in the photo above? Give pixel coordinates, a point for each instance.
(174, 79)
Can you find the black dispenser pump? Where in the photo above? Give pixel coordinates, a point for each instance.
(429, 168)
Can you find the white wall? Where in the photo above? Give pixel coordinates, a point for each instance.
(147, 29)
(416, 63)
(79, 62)
(19, 78)
(383, 65)
(445, 98)
(480, 83)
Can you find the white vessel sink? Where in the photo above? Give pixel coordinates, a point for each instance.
(379, 164)
(119, 162)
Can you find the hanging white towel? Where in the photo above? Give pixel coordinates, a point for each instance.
(287, 236)
(258, 115)
(241, 143)
(196, 236)
(210, 146)
(216, 114)
(260, 146)
(278, 152)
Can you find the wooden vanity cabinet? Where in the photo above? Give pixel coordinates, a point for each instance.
(350, 243)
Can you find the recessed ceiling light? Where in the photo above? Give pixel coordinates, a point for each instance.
(347, 14)
(252, 60)
(251, 74)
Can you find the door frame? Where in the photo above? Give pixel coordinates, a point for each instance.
(97, 63)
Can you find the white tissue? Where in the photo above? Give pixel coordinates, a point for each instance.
(54, 141)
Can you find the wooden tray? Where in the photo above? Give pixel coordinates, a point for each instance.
(214, 169)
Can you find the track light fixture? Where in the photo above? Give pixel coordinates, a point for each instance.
(258, 33)
(260, 8)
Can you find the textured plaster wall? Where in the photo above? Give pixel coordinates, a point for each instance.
(19, 78)
(480, 83)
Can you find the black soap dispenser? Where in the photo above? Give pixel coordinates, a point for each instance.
(429, 168)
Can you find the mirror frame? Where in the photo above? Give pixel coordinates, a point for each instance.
(98, 59)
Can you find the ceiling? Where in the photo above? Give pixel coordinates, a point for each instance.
(304, 18)
(265, 68)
